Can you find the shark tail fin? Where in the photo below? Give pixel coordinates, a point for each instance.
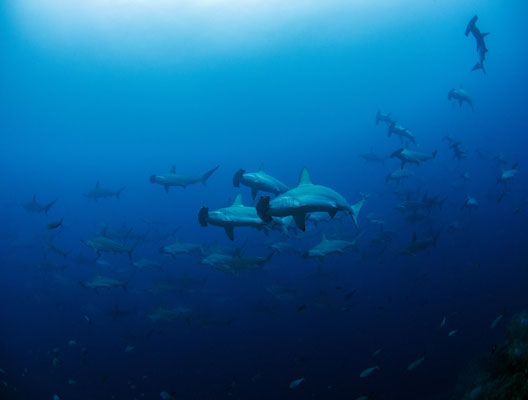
(354, 210)
(118, 193)
(208, 174)
(46, 209)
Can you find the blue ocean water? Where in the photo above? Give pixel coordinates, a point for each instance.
(114, 92)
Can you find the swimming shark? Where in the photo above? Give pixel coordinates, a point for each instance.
(508, 174)
(373, 157)
(461, 95)
(382, 117)
(259, 181)
(398, 175)
(102, 244)
(104, 282)
(100, 193)
(306, 198)
(178, 248)
(417, 246)
(173, 179)
(236, 215)
(237, 263)
(330, 246)
(481, 45)
(470, 203)
(36, 207)
(401, 131)
(411, 156)
(169, 315)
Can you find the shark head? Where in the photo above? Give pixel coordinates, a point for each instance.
(396, 153)
(153, 178)
(238, 177)
(202, 216)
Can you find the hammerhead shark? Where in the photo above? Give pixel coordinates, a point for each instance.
(259, 180)
(36, 207)
(173, 179)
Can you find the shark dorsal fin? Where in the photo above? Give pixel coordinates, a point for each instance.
(261, 168)
(173, 169)
(238, 201)
(304, 178)
(414, 237)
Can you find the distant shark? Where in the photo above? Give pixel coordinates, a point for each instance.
(306, 198)
(102, 244)
(382, 117)
(411, 156)
(508, 174)
(417, 246)
(100, 193)
(236, 215)
(481, 45)
(373, 157)
(173, 179)
(330, 246)
(470, 203)
(259, 181)
(36, 207)
(402, 132)
(461, 95)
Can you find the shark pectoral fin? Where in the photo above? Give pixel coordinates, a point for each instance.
(332, 213)
(166, 188)
(299, 218)
(229, 230)
(254, 192)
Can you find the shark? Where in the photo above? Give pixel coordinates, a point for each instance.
(173, 179)
(383, 117)
(237, 263)
(330, 246)
(236, 215)
(259, 181)
(162, 314)
(401, 131)
(398, 175)
(35, 207)
(461, 95)
(305, 198)
(412, 157)
(215, 259)
(178, 248)
(102, 244)
(508, 174)
(373, 157)
(417, 246)
(481, 45)
(470, 203)
(99, 192)
(103, 282)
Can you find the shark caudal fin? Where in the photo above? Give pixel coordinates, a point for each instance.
(263, 206)
(46, 209)
(203, 215)
(118, 193)
(208, 174)
(354, 211)
(237, 178)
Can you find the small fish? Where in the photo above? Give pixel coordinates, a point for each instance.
(415, 363)
(301, 308)
(452, 333)
(54, 225)
(496, 321)
(296, 382)
(368, 371)
(501, 196)
(442, 324)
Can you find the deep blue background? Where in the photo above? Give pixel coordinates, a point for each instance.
(73, 116)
